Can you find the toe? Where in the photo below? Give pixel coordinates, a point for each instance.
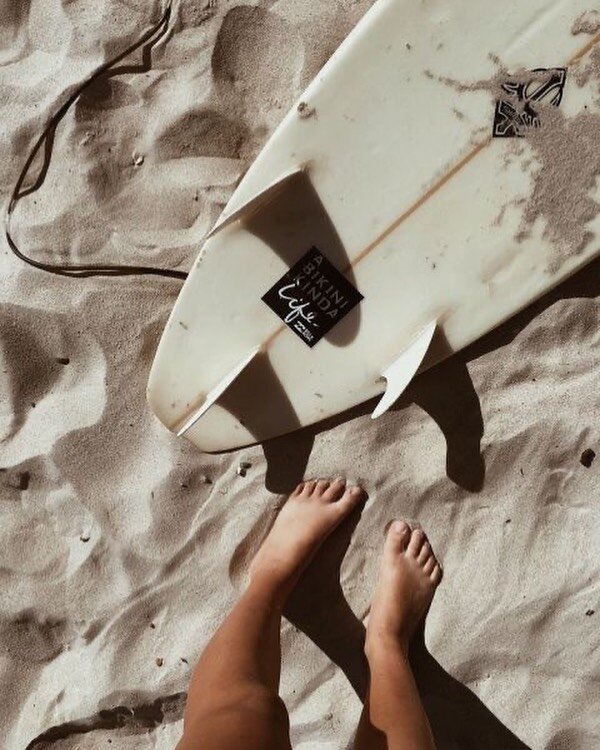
(350, 499)
(425, 553)
(309, 487)
(417, 539)
(298, 490)
(436, 575)
(397, 537)
(335, 490)
(429, 565)
(321, 487)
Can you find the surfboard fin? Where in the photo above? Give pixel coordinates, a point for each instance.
(403, 369)
(213, 395)
(255, 202)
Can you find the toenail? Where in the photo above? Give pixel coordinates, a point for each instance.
(337, 480)
(356, 490)
(399, 527)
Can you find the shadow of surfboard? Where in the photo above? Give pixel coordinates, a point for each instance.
(446, 392)
(293, 221)
(258, 400)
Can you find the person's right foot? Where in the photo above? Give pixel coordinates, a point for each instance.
(408, 577)
(310, 514)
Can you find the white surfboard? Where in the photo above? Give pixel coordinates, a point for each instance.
(420, 192)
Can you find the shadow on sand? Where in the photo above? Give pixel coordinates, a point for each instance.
(446, 392)
(460, 721)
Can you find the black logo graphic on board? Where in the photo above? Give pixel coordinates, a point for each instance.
(518, 110)
(312, 297)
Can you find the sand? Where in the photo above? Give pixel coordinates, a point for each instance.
(121, 547)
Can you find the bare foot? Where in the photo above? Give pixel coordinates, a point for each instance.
(408, 577)
(309, 515)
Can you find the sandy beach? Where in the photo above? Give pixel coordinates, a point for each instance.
(122, 547)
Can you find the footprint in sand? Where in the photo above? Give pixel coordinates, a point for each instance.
(257, 63)
(13, 37)
(45, 360)
(28, 371)
(200, 132)
(104, 94)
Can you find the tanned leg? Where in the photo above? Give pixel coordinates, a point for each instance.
(393, 717)
(233, 700)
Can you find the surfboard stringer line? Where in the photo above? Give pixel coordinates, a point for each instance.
(254, 203)
(404, 368)
(215, 393)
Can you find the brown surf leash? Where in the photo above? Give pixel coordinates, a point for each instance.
(45, 141)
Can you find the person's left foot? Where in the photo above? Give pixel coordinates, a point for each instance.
(408, 577)
(310, 514)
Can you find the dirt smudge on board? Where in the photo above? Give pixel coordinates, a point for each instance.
(563, 181)
(587, 23)
(560, 153)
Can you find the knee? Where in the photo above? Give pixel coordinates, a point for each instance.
(249, 717)
(263, 703)
(255, 702)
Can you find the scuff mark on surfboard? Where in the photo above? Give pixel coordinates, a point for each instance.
(583, 74)
(305, 110)
(587, 23)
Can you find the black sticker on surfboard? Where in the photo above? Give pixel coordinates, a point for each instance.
(520, 109)
(312, 297)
